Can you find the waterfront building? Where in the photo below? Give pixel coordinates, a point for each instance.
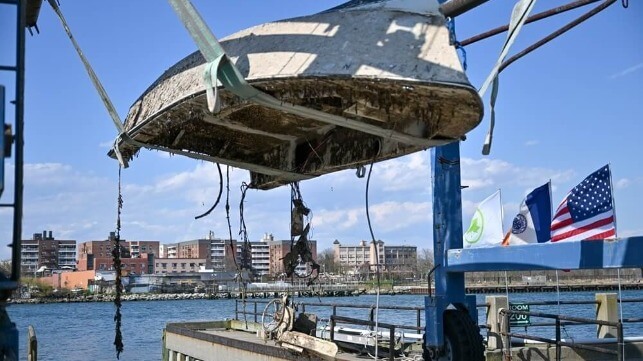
(260, 255)
(137, 257)
(222, 252)
(193, 249)
(43, 250)
(179, 265)
(137, 248)
(355, 258)
(169, 250)
(278, 250)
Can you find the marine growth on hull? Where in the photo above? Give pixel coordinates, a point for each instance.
(385, 73)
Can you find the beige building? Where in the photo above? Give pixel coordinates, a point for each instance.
(137, 248)
(391, 258)
(178, 265)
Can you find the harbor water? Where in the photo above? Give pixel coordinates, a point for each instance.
(85, 331)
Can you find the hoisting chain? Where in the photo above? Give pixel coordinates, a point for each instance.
(116, 255)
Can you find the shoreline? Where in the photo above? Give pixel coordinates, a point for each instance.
(398, 290)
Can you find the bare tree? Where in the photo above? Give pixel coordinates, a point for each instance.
(425, 262)
(326, 260)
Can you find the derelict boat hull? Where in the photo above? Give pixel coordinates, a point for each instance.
(391, 71)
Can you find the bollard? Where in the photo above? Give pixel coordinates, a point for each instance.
(606, 310)
(32, 344)
(505, 328)
(494, 305)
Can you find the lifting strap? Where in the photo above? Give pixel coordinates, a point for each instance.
(519, 15)
(94, 78)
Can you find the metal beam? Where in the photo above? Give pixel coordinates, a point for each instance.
(454, 8)
(620, 253)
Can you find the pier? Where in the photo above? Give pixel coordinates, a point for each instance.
(504, 339)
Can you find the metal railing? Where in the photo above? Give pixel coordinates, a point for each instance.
(241, 309)
(506, 334)
(354, 321)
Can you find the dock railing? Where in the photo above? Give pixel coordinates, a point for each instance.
(507, 335)
(256, 307)
(355, 321)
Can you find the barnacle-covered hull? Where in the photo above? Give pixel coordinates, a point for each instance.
(390, 74)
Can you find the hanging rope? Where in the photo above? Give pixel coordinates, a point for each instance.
(116, 255)
(218, 197)
(243, 232)
(227, 212)
(377, 256)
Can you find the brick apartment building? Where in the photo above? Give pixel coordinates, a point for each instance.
(43, 250)
(278, 250)
(137, 257)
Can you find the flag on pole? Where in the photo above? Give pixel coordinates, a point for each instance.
(587, 212)
(531, 224)
(486, 224)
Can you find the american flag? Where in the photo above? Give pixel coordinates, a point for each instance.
(587, 212)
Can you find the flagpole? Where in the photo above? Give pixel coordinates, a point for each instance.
(609, 170)
(551, 208)
(502, 213)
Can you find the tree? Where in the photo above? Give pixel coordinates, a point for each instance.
(5, 268)
(326, 260)
(425, 262)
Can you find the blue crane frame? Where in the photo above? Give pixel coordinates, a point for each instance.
(452, 261)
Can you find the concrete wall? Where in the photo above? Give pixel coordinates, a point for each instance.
(69, 280)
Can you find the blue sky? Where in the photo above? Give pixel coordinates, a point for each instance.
(563, 112)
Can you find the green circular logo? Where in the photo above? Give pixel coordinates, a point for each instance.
(474, 233)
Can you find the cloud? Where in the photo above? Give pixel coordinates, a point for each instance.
(531, 143)
(81, 205)
(627, 71)
(622, 183)
(494, 173)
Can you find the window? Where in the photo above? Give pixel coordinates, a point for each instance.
(174, 265)
(164, 265)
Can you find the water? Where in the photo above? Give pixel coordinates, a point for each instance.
(85, 331)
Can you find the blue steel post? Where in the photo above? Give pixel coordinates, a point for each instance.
(8, 336)
(447, 234)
